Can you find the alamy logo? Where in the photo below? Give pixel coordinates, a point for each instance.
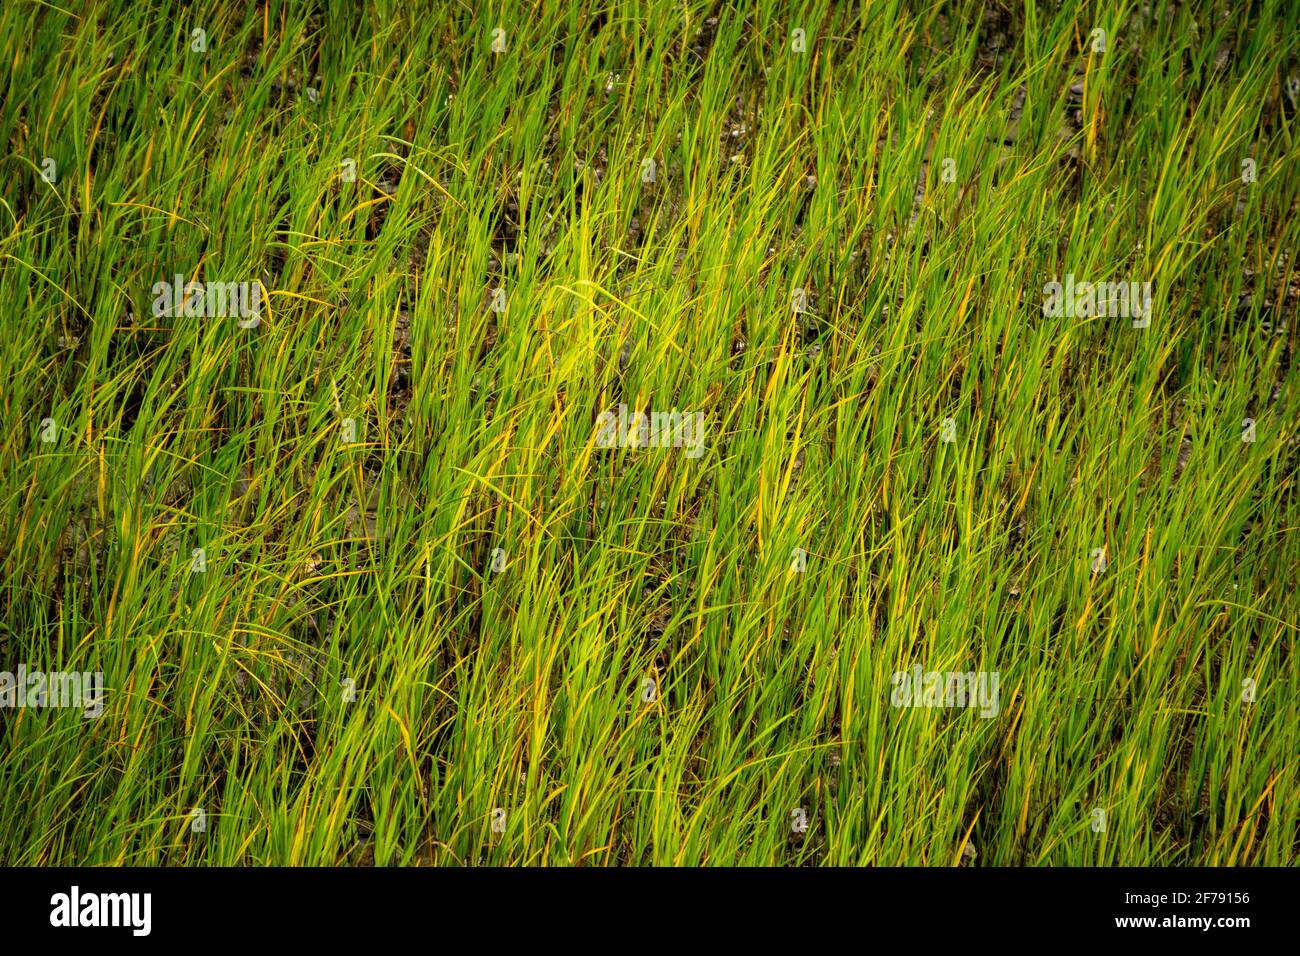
(1127, 300)
(655, 430)
(103, 909)
(53, 689)
(919, 688)
(197, 300)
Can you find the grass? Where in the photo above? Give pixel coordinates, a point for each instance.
(647, 679)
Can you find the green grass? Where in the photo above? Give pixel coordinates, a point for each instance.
(370, 561)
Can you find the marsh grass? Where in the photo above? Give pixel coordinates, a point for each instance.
(370, 561)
